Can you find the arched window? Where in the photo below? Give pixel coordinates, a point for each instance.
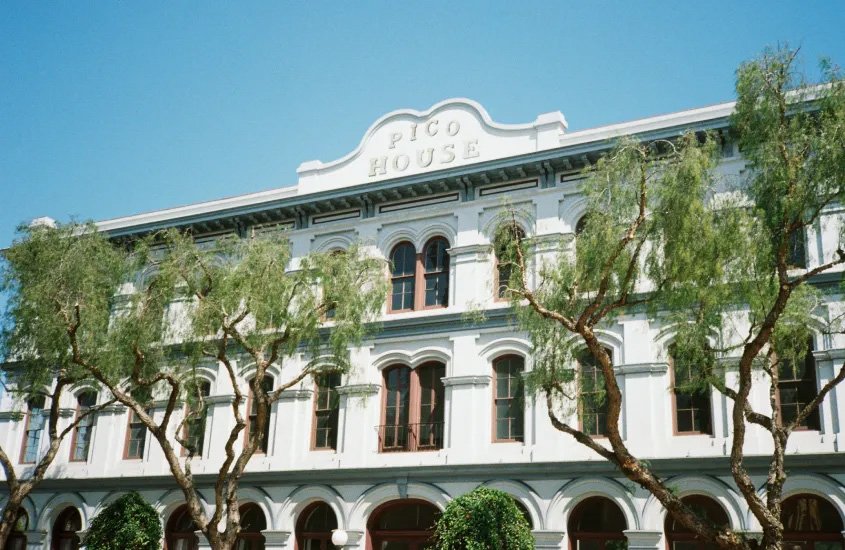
(406, 525)
(693, 413)
(681, 538)
(81, 440)
(509, 398)
(811, 523)
(67, 525)
(524, 511)
(797, 387)
(314, 527)
(252, 523)
(267, 385)
(326, 410)
(195, 427)
(592, 401)
(180, 531)
(419, 281)
(436, 272)
(403, 265)
(597, 523)
(413, 428)
(17, 538)
(504, 265)
(581, 225)
(32, 431)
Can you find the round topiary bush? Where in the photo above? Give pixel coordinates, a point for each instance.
(483, 519)
(128, 522)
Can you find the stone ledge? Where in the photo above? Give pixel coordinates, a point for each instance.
(470, 380)
(353, 390)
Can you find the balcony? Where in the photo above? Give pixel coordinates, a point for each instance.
(407, 438)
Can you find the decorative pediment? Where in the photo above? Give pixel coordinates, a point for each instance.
(452, 133)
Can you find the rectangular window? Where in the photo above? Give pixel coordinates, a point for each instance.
(593, 401)
(509, 401)
(195, 426)
(692, 406)
(326, 409)
(136, 438)
(267, 385)
(32, 434)
(796, 388)
(81, 441)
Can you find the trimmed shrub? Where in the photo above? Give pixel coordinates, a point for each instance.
(483, 519)
(128, 522)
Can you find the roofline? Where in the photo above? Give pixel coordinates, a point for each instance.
(574, 142)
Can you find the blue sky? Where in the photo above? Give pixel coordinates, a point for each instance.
(115, 108)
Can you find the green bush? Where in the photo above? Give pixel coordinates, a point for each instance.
(483, 519)
(128, 522)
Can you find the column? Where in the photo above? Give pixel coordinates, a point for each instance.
(360, 406)
(641, 540)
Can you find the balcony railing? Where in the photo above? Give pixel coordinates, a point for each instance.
(404, 438)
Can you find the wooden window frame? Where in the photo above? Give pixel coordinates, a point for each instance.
(674, 393)
(496, 268)
(810, 538)
(580, 402)
(315, 410)
(143, 444)
(696, 502)
(419, 276)
(323, 537)
(815, 414)
(75, 437)
(186, 434)
(29, 414)
(602, 536)
(266, 443)
(495, 417)
(413, 406)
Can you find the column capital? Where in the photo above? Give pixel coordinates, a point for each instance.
(274, 540)
(642, 540)
(548, 539)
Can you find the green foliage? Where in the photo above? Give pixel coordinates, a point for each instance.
(709, 254)
(483, 519)
(55, 278)
(128, 522)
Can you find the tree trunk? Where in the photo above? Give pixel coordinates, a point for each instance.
(10, 515)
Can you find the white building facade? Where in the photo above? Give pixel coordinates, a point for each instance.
(434, 406)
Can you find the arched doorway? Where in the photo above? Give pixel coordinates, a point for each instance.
(402, 525)
(597, 523)
(179, 533)
(252, 523)
(811, 523)
(681, 538)
(314, 527)
(17, 538)
(65, 528)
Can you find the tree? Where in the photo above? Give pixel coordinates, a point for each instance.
(483, 519)
(41, 381)
(128, 522)
(169, 304)
(665, 234)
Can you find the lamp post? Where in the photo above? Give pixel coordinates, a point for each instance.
(339, 537)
